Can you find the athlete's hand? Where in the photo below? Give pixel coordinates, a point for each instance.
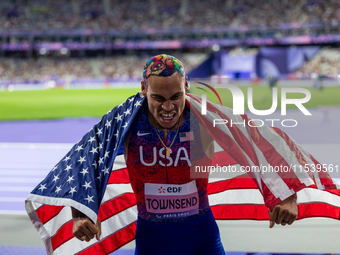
(83, 227)
(284, 212)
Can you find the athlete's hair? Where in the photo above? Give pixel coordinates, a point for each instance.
(162, 65)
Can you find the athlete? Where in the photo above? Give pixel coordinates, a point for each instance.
(174, 215)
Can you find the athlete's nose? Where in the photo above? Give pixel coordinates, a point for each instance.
(167, 106)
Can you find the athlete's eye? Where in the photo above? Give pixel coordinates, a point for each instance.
(159, 99)
(177, 96)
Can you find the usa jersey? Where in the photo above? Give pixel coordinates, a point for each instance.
(148, 164)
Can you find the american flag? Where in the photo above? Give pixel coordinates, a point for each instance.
(93, 178)
(186, 136)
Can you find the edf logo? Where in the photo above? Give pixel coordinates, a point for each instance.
(174, 189)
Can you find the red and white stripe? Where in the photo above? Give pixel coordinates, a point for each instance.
(118, 215)
(262, 146)
(236, 197)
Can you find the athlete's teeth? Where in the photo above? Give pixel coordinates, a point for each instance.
(167, 116)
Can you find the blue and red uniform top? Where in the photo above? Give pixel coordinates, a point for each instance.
(147, 162)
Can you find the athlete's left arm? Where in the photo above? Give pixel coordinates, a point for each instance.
(284, 212)
(207, 143)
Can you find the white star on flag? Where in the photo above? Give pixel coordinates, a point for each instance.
(108, 123)
(99, 132)
(128, 111)
(101, 161)
(81, 159)
(89, 199)
(84, 171)
(106, 154)
(138, 103)
(126, 124)
(67, 158)
(120, 105)
(80, 147)
(58, 189)
(92, 139)
(108, 138)
(54, 168)
(131, 99)
(68, 167)
(94, 150)
(42, 187)
(73, 190)
(100, 146)
(95, 164)
(105, 170)
(119, 117)
(116, 134)
(56, 177)
(87, 185)
(70, 178)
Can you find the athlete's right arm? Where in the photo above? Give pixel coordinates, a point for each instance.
(83, 227)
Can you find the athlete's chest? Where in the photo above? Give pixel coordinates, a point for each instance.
(157, 150)
(151, 147)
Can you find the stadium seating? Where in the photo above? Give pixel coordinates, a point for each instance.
(117, 67)
(45, 39)
(130, 14)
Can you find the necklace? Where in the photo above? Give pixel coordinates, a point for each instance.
(166, 147)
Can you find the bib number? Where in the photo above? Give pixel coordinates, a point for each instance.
(165, 201)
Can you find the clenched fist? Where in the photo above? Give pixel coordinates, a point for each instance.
(83, 227)
(284, 212)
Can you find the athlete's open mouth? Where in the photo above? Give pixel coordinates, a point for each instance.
(167, 117)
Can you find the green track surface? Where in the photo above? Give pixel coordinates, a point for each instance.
(60, 103)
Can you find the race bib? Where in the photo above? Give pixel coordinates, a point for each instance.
(165, 201)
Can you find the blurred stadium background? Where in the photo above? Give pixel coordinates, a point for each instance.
(80, 58)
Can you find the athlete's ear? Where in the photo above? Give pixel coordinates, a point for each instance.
(143, 88)
(186, 84)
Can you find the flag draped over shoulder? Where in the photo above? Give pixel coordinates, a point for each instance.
(255, 146)
(80, 180)
(93, 178)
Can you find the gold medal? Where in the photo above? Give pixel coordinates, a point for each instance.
(167, 149)
(167, 152)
